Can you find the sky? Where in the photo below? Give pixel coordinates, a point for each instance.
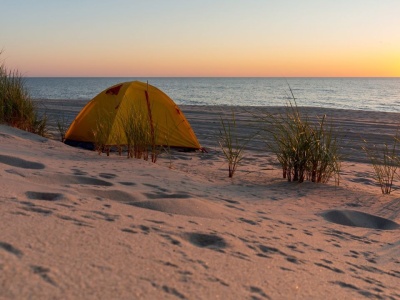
(196, 38)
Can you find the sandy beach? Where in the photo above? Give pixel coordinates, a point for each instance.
(78, 225)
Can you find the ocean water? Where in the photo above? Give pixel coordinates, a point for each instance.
(372, 94)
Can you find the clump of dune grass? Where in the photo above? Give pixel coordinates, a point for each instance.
(324, 159)
(101, 133)
(140, 132)
(16, 107)
(62, 126)
(133, 131)
(231, 144)
(305, 150)
(117, 136)
(385, 161)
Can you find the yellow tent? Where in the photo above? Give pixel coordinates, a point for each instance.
(116, 108)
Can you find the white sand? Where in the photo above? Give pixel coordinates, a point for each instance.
(76, 225)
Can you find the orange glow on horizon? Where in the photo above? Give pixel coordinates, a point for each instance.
(304, 67)
(255, 63)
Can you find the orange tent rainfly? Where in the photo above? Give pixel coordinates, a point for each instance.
(113, 110)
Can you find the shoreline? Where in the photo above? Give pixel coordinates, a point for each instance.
(351, 126)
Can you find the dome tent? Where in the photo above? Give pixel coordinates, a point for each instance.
(122, 104)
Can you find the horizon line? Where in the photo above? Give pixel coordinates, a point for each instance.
(275, 77)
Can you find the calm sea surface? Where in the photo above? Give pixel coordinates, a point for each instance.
(374, 94)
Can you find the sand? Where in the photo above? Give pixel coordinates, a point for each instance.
(76, 225)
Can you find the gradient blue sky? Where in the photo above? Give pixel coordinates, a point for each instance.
(201, 38)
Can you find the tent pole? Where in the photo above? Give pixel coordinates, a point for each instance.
(150, 115)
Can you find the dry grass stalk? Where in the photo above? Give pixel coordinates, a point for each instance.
(62, 126)
(231, 145)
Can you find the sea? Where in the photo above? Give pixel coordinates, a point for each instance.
(370, 94)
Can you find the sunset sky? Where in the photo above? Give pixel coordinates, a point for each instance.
(128, 38)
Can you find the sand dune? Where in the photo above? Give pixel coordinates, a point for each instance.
(76, 225)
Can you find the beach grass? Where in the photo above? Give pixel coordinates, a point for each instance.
(306, 150)
(324, 157)
(101, 132)
(385, 161)
(231, 145)
(16, 107)
(140, 134)
(62, 126)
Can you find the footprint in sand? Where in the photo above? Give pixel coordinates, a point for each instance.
(267, 251)
(259, 291)
(20, 163)
(204, 240)
(127, 183)
(11, 249)
(31, 207)
(44, 196)
(359, 219)
(362, 292)
(186, 207)
(75, 221)
(107, 175)
(72, 179)
(79, 172)
(114, 195)
(89, 181)
(162, 195)
(251, 222)
(333, 269)
(43, 273)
